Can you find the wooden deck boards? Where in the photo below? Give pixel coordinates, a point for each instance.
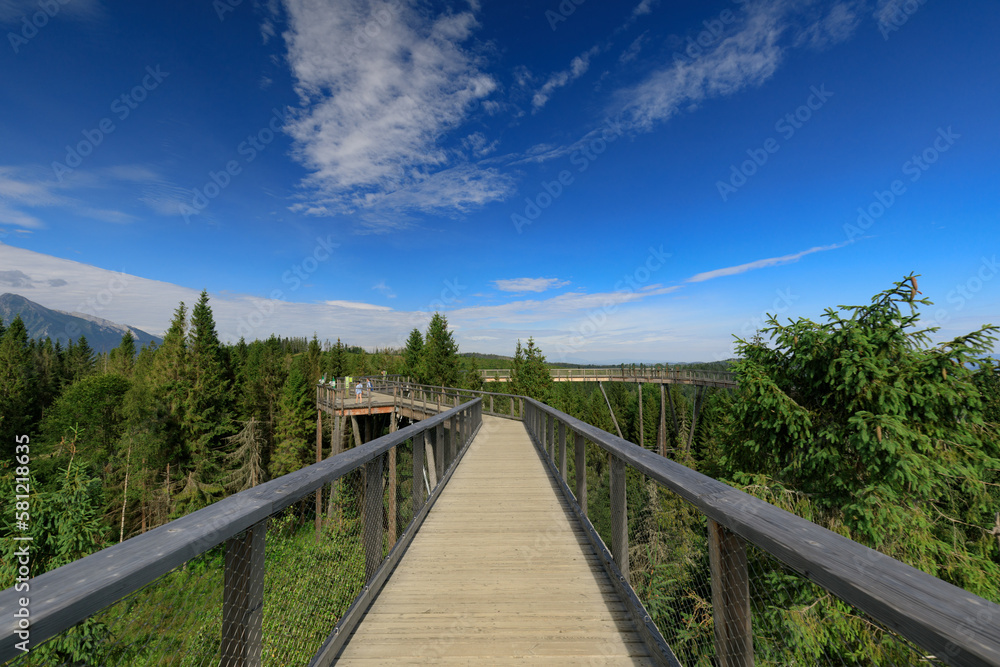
(499, 574)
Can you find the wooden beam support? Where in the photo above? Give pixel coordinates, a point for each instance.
(730, 597)
(243, 598)
(661, 435)
(581, 471)
(619, 516)
(562, 450)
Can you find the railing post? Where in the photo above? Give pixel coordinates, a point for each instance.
(619, 516)
(452, 439)
(439, 449)
(562, 450)
(373, 519)
(511, 406)
(243, 598)
(551, 444)
(491, 403)
(581, 471)
(730, 597)
(418, 472)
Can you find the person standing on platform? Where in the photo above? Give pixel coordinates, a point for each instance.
(369, 387)
(357, 393)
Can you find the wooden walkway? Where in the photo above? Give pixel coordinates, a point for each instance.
(499, 574)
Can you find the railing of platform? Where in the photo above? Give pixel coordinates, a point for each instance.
(714, 566)
(248, 580)
(627, 374)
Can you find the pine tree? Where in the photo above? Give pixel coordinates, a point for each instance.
(16, 385)
(440, 354)
(314, 355)
(122, 358)
(81, 359)
(336, 365)
(169, 382)
(296, 423)
(473, 379)
(413, 354)
(207, 413)
(880, 431)
(529, 375)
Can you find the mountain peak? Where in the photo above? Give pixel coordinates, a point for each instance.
(41, 322)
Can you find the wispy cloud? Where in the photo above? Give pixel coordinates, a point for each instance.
(377, 108)
(746, 55)
(382, 288)
(761, 263)
(529, 284)
(577, 68)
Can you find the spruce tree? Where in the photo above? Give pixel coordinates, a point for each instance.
(529, 375)
(440, 354)
(314, 354)
(296, 423)
(875, 431)
(16, 385)
(413, 354)
(207, 413)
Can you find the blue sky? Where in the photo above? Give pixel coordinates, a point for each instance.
(622, 181)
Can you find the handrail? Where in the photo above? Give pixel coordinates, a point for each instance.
(725, 378)
(957, 626)
(72, 593)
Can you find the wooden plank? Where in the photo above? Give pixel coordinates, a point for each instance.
(499, 571)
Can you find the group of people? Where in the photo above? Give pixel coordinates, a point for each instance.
(359, 388)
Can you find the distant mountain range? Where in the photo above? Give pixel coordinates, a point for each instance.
(41, 322)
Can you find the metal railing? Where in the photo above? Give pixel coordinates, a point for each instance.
(626, 374)
(248, 580)
(755, 564)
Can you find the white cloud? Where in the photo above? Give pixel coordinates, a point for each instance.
(577, 68)
(748, 54)
(381, 85)
(384, 289)
(529, 284)
(761, 263)
(356, 305)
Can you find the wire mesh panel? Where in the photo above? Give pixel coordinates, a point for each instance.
(176, 620)
(310, 580)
